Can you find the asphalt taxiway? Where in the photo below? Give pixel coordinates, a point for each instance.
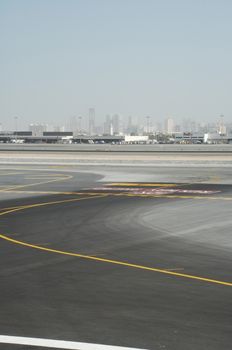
(131, 257)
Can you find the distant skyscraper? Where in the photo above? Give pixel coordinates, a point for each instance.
(221, 126)
(148, 124)
(107, 125)
(73, 124)
(159, 127)
(116, 124)
(91, 121)
(79, 124)
(186, 125)
(129, 125)
(169, 126)
(177, 128)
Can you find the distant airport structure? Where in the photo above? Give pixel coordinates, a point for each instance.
(71, 137)
(115, 129)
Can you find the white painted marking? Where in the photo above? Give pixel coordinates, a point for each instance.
(59, 344)
(141, 190)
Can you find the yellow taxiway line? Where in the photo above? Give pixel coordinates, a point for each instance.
(22, 207)
(98, 259)
(133, 184)
(59, 179)
(115, 262)
(121, 194)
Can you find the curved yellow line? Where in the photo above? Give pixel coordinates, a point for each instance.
(65, 177)
(89, 257)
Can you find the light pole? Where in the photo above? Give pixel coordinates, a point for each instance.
(80, 119)
(148, 124)
(16, 128)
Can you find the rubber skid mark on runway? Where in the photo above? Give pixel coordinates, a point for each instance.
(98, 259)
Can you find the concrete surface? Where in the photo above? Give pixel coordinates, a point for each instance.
(116, 148)
(180, 159)
(109, 296)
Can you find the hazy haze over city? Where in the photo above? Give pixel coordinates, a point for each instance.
(131, 57)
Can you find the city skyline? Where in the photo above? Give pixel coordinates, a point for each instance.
(126, 57)
(115, 125)
(83, 119)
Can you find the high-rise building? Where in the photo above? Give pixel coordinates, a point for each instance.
(221, 126)
(177, 128)
(91, 121)
(186, 125)
(79, 123)
(169, 126)
(129, 125)
(73, 125)
(147, 129)
(116, 124)
(108, 125)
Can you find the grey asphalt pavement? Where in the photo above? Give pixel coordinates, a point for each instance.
(107, 295)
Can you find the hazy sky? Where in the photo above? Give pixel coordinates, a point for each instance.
(133, 57)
